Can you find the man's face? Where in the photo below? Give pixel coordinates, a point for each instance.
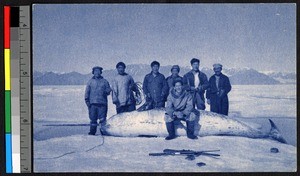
(218, 70)
(155, 69)
(178, 87)
(121, 70)
(175, 72)
(195, 66)
(97, 73)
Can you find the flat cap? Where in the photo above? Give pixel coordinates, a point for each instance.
(217, 65)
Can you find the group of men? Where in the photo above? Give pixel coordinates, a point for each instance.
(182, 97)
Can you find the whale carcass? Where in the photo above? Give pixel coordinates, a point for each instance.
(151, 123)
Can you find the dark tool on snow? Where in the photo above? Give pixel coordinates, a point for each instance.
(189, 153)
(274, 150)
(201, 164)
(190, 157)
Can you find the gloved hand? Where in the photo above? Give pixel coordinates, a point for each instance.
(133, 87)
(199, 88)
(178, 114)
(193, 88)
(222, 93)
(208, 101)
(117, 103)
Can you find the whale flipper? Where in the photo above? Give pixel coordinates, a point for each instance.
(275, 133)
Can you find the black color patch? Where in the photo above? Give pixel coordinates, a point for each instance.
(14, 16)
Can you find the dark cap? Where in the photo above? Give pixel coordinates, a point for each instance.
(195, 60)
(155, 63)
(217, 65)
(97, 67)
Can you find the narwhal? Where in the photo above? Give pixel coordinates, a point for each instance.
(151, 123)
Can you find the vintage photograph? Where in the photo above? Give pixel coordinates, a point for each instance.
(164, 87)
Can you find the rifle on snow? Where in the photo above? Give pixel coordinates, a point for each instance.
(189, 153)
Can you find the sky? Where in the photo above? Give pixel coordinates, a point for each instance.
(76, 37)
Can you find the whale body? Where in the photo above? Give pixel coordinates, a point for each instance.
(151, 123)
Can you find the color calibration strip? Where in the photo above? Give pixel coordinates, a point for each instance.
(25, 89)
(15, 87)
(8, 137)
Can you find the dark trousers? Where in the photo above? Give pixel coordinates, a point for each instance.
(160, 104)
(97, 111)
(126, 108)
(198, 101)
(219, 105)
(155, 104)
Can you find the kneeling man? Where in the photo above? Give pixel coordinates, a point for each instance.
(180, 106)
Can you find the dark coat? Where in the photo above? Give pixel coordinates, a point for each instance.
(170, 80)
(157, 87)
(219, 99)
(189, 81)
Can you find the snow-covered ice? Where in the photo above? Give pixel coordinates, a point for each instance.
(63, 149)
(238, 154)
(263, 101)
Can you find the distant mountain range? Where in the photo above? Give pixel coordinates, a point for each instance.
(241, 76)
(283, 77)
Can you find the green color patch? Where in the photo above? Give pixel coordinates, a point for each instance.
(7, 112)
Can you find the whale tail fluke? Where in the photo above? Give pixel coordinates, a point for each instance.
(275, 133)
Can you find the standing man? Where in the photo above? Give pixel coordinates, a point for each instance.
(155, 87)
(217, 92)
(122, 90)
(196, 83)
(96, 92)
(175, 76)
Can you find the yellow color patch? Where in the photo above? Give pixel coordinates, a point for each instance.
(7, 68)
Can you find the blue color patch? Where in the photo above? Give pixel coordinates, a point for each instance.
(8, 153)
